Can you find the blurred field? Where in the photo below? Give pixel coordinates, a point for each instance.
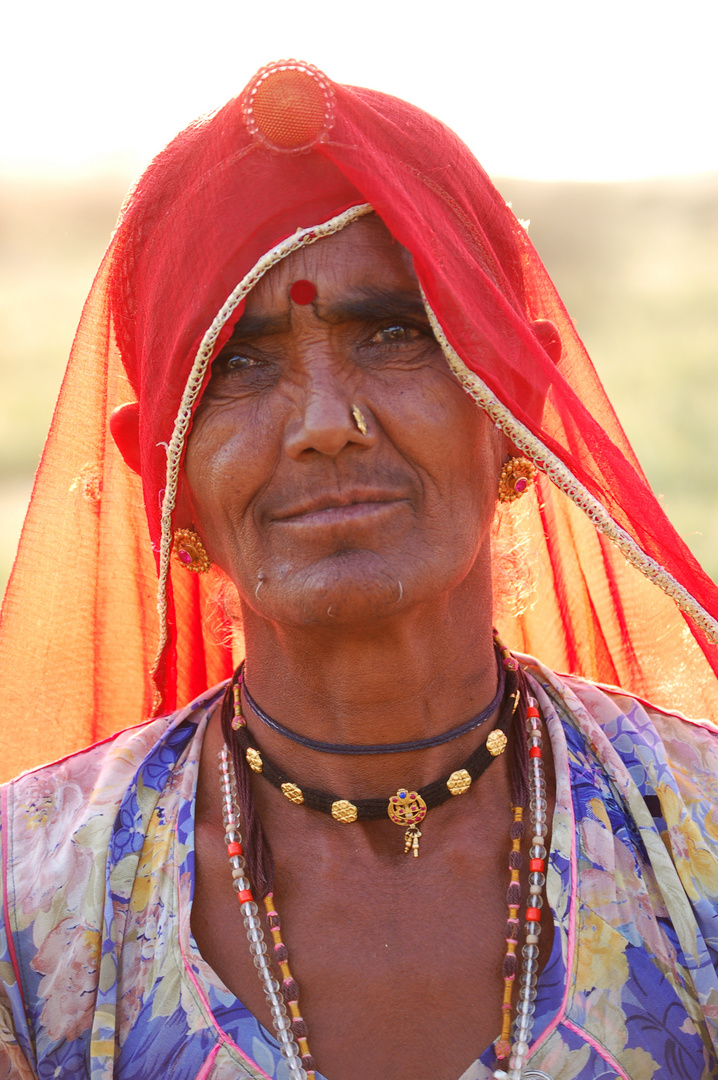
(636, 263)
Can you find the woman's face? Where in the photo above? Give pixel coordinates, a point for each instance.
(314, 521)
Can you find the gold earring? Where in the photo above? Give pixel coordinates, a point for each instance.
(359, 419)
(516, 477)
(190, 551)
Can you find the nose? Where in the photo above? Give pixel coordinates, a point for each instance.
(325, 422)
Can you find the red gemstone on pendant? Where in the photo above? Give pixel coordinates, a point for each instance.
(521, 484)
(302, 292)
(184, 557)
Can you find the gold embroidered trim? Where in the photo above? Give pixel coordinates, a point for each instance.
(563, 478)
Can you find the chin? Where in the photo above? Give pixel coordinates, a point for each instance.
(350, 587)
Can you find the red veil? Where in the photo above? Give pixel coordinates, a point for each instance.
(619, 597)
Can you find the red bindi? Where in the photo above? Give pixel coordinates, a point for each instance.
(302, 292)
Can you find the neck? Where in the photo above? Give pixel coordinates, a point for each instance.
(417, 674)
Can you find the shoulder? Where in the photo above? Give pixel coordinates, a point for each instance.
(63, 814)
(110, 765)
(663, 765)
(629, 721)
(643, 734)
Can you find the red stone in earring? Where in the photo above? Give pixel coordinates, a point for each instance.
(302, 292)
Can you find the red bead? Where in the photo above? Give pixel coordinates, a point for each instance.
(531, 711)
(245, 896)
(535, 751)
(536, 865)
(303, 292)
(234, 849)
(533, 914)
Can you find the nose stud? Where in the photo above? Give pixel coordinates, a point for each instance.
(359, 419)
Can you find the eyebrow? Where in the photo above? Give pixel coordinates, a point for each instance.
(365, 304)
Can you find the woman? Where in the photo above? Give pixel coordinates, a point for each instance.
(310, 293)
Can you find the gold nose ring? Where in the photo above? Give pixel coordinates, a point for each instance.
(359, 419)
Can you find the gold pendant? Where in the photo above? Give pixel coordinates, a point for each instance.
(411, 840)
(407, 808)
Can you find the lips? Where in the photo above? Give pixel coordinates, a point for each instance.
(339, 507)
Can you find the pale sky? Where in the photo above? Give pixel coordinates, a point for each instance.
(560, 89)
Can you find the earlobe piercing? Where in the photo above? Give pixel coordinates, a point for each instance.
(190, 551)
(359, 419)
(517, 476)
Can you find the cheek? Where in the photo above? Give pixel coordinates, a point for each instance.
(229, 457)
(449, 438)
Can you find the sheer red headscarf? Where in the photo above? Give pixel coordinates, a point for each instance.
(619, 597)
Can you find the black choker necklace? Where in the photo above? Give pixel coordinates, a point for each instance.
(377, 748)
(406, 808)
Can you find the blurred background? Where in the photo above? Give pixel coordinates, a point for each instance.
(597, 122)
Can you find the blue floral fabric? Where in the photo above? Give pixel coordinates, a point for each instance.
(100, 977)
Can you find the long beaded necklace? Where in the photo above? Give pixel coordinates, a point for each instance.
(292, 1032)
(538, 807)
(300, 1063)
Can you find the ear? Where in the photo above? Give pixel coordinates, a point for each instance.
(125, 430)
(549, 338)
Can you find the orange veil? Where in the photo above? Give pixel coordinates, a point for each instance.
(619, 598)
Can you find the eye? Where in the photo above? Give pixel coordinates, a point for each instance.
(236, 361)
(397, 332)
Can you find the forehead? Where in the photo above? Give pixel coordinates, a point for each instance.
(364, 254)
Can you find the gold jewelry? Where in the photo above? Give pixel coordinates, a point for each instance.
(496, 742)
(190, 551)
(516, 477)
(343, 810)
(460, 781)
(254, 759)
(359, 419)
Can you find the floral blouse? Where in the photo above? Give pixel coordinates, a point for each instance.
(100, 977)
